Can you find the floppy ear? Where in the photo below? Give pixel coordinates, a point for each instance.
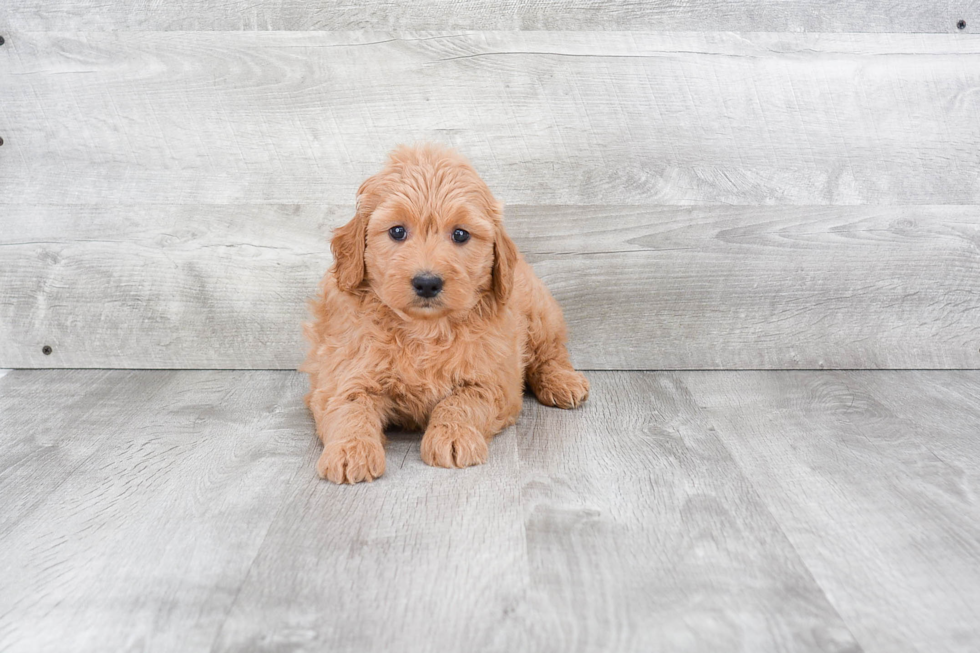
(504, 262)
(349, 241)
(348, 253)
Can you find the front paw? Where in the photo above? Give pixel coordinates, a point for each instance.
(352, 461)
(453, 445)
(561, 387)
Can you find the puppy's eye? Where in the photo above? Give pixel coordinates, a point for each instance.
(461, 236)
(397, 233)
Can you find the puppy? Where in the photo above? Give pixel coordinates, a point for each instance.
(430, 320)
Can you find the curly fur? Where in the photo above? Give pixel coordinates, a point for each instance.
(453, 366)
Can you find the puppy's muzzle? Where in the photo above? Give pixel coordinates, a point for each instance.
(427, 285)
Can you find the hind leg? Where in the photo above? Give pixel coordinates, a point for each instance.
(549, 371)
(556, 383)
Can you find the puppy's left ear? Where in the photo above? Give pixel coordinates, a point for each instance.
(504, 262)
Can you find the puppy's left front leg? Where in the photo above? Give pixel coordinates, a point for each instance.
(461, 425)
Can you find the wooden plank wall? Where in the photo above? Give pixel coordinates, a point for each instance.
(765, 185)
(676, 15)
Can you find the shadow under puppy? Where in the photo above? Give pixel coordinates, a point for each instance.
(429, 319)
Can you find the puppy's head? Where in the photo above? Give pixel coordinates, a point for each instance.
(427, 237)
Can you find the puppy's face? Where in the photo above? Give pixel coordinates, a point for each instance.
(431, 260)
(427, 238)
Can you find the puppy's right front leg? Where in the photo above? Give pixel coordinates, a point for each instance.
(352, 431)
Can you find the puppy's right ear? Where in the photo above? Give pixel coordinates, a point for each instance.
(349, 241)
(348, 246)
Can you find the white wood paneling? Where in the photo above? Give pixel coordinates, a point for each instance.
(642, 288)
(160, 286)
(686, 15)
(167, 196)
(548, 118)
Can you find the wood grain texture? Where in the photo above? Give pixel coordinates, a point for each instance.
(428, 559)
(642, 287)
(687, 15)
(40, 446)
(593, 118)
(642, 534)
(422, 559)
(874, 478)
(151, 495)
(690, 511)
(159, 286)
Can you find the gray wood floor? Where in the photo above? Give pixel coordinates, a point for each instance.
(680, 511)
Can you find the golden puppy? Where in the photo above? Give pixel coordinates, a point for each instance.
(429, 319)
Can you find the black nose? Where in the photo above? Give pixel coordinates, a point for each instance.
(427, 285)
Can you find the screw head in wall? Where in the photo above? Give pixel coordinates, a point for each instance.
(1, 40)
(46, 350)
(961, 24)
